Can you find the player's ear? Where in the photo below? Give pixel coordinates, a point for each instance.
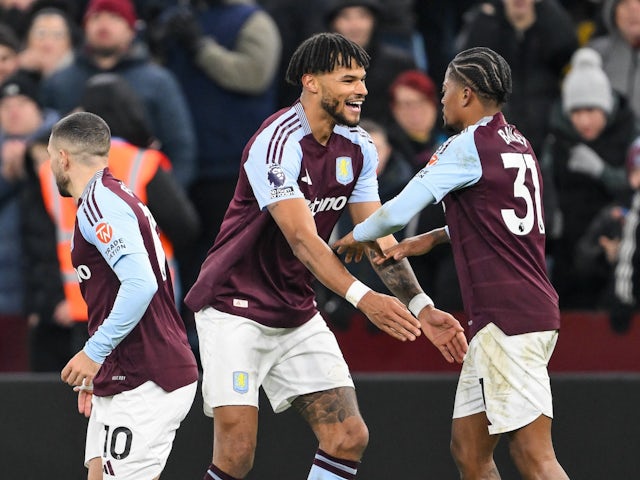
(64, 159)
(310, 82)
(466, 95)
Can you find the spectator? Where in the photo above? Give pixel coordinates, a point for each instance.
(357, 20)
(16, 14)
(111, 46)
(591, 129)
(414, 107)
(296, 22)
(225, 56)
(145, 170)
(49, 43)
(21, 121)
(627, 270)
(537, 38)
(619, 48)
(596, 253)
(9, 48)
(438, 23)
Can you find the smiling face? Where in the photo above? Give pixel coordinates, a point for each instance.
(342, 93)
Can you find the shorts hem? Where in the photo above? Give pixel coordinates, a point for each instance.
(523, 423)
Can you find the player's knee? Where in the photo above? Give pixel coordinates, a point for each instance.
(458, 451)
(349, 442)
(530, 459)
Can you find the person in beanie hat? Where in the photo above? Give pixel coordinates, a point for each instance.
(121, 8)
(591, 128)
(22, 121)
(20, 84)
(586, 85)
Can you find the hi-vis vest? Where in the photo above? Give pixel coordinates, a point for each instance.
(135, 167)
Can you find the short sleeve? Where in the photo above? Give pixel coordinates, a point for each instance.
(455, 165)
(116, 233)
(366, 189)
(272, 182)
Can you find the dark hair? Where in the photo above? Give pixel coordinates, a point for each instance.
(110, 96)
(8, 38)
(322, 53)
(86, 132)
(484, 71)
(72, 29)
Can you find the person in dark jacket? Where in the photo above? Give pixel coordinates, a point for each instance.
(111, 46)
(358, 20)
(225, 54)
(591, 130)
(537, 38)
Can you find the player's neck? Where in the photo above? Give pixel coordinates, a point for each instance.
(81, 180)
(320, 122)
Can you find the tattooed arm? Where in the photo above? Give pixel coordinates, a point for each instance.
(441, 328)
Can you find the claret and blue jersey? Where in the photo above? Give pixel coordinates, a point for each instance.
(112, 223)
(251, 270)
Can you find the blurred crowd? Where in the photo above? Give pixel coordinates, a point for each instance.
(184, 84)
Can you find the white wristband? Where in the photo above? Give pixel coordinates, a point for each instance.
(418, 302)
(356, 291)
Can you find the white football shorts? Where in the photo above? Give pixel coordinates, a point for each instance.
(133, 431)
(506, 377)
(239, 355)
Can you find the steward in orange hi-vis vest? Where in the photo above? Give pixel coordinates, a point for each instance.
(135, 167)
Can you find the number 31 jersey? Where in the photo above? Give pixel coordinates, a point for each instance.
(489, 179)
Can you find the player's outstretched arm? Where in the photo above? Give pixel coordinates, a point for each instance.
(297, 224)
(414, 246)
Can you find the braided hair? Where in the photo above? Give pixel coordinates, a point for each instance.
(323, 52)
(484, 71)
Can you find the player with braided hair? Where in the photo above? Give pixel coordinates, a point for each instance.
(489, 180)
(256, 315)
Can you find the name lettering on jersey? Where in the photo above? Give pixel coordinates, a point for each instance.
(83, 273)
(104, 232)
(330, 203)
(241, 382)
(116, 378)
(344, 170)
(116, 246)
(509, 135)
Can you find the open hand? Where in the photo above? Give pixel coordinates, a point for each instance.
(354, 250)
(445, 332)
(390, 315)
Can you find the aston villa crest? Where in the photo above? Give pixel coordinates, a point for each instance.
(344, 170)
